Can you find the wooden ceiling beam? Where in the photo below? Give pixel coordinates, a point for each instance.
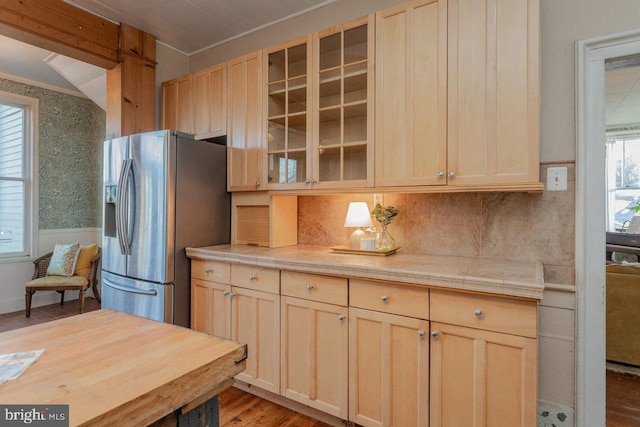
(62, 28)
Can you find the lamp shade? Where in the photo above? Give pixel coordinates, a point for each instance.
(358, 215)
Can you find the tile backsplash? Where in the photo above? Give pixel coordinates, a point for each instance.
(515, 226)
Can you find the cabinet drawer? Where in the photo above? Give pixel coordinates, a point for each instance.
(510, 316)
(256, 278)
(388, 298)
(332, 290)
(214, 271)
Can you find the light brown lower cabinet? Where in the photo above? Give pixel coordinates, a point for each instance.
(388, 369)
(242, 314)
(482, 378)
(366, 352)
(255, 321)
(315, 350)
(211, 307)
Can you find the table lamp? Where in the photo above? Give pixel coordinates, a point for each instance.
(357, 216)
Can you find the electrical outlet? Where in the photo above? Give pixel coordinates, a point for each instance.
(377, 198)
(557, 179)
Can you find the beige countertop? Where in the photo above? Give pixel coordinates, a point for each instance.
(512, 278)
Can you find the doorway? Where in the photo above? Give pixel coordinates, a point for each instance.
(590, 219)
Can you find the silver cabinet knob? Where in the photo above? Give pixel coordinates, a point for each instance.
(208, 270)
(451, 175)
(341, 317)
(307, 181)
(231, 295)
(440, 174)
(313, 181)
(257, 183)
(309, 288)
(225, 293)
(421, 333)
(252, 277)
(477, 312)
(384, 299)
(435, 334)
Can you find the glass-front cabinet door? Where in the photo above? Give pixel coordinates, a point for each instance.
(288, 96)
(343, 106)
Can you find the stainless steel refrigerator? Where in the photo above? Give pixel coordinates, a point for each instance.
(163, 191)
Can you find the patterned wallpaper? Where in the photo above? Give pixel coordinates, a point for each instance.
(71, 131)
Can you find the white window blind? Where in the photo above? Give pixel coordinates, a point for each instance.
(13, 181)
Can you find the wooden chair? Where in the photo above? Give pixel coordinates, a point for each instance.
(42, 282)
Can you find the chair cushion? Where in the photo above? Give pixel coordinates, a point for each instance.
(63, 260)
(57, 281)
(83, 265)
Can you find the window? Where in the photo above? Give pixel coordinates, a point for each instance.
(623, 184)
(18, 209)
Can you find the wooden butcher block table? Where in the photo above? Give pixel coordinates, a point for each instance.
(114, 369)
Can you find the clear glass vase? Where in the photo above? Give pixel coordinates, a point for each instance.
(384, 240)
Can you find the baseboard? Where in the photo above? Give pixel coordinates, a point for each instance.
(292, 405)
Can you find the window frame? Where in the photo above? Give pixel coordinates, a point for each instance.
(30, 178)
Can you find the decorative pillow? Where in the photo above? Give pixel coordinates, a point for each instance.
(83, 265)
(63, 260)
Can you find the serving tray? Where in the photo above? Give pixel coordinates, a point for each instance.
(347, 250)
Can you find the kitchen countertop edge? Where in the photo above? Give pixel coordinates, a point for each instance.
(456, 273)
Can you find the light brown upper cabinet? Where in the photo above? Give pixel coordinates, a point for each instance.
(286, 104)
(411, 94)
(319, 106)
(176, 104)
(210, 101)
(494, 92)
(244, 125)
(343, 80)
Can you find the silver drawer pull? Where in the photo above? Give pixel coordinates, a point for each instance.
(225, 293)
(231, 295)
(421, 333)
(309, 288)
(477, 312)
(435, 334)
(384, 299)
(252, 277)
(341, 317)
(208, 270)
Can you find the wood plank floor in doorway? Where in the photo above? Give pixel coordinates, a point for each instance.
(623, 399)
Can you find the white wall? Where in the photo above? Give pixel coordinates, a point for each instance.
(563, 23)
(13, 275)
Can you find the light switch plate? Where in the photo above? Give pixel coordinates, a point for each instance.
(557, 179)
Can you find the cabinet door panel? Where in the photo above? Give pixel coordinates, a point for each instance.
(244, 127)
(411, 94)
(255, 321)
(315, 355)
(494, 85)
(482, 378)
(388, 370)
(210, 308)
(210, 101)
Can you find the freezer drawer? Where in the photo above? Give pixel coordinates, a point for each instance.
(144, 299)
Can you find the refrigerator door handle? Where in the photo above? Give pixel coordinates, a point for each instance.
(119, 207)
(122, 216)
(131, 289)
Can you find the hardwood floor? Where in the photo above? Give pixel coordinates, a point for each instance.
(623, 399)
(237, 408)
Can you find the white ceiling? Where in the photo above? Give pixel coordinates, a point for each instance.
(192, 25)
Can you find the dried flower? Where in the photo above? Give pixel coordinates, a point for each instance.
(384, 214)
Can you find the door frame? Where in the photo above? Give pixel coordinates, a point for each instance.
(590, 219)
